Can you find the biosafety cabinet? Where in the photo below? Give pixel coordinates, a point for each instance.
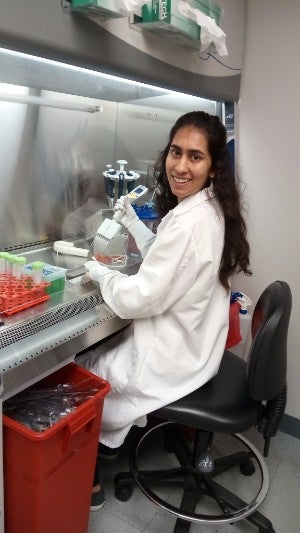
(76, 95)
(55, 147)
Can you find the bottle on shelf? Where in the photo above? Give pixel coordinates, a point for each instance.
(245, 324)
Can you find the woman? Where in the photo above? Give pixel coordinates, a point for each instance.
(179, 299)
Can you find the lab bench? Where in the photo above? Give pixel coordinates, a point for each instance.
(41, 339)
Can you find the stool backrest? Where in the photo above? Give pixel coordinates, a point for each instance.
(267, 358)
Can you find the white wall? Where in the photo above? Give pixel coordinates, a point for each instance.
(269, 159)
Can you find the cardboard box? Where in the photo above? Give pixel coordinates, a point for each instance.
(164, 18)
(176, 31)
(163, 9)
(105, 9)
(54, 275)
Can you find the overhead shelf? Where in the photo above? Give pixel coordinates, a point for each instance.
(169, 19)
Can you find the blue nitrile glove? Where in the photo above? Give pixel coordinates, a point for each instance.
(96, 271)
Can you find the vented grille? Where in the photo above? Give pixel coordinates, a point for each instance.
(19, 332)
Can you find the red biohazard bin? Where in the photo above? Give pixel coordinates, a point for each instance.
(48, 476)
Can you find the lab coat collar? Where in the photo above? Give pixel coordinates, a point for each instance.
(194, 200)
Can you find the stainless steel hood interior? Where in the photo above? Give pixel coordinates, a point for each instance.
(52, 160)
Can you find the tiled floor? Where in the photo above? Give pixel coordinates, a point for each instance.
(139, 514)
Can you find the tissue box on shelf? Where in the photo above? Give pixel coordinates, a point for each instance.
(164, 18)
(105, 9)
(163, 9)
(208, 8)
(54, 275)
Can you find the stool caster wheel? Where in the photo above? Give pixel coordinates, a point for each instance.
(123, 494)
(247, 469)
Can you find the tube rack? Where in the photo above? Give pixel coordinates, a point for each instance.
(17, 294)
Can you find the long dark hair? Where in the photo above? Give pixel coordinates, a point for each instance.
(235, 257)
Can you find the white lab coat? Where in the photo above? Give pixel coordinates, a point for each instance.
(180, 311)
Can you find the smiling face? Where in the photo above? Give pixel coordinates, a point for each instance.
(188, 163)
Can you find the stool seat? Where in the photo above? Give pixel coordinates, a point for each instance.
(222, 405)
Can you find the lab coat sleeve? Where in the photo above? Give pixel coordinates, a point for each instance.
(143, 236)
(170, 268)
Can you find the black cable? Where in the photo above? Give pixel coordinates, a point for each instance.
(221, 63)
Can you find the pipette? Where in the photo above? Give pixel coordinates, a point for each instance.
(110, 228)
